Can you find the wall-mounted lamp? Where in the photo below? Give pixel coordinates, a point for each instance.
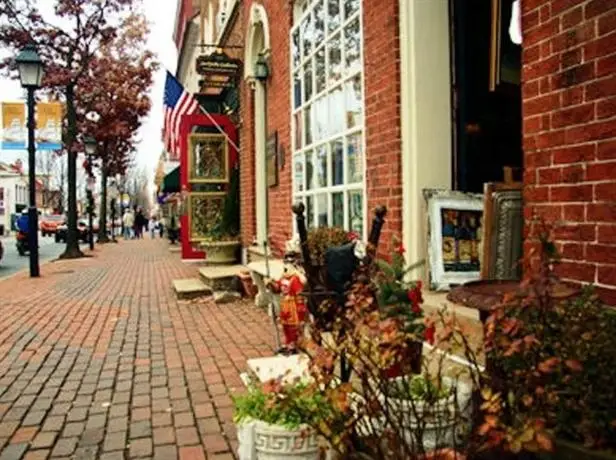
(261, 68)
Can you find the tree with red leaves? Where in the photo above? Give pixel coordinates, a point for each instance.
(116, 89)
(68, 42)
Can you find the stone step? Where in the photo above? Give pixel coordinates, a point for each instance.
(221, 277)
(191, 288)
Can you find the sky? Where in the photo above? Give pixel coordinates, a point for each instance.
(161, 15)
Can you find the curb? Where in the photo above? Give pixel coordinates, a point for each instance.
(17, 273)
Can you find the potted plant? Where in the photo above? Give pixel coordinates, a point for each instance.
(222, 243)
(276, 420)
(550, 360)
(431, 411)
(401, 301)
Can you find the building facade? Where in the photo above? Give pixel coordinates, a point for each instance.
(366, 102)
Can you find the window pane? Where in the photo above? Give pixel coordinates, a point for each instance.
(299, 173)
(321, 165)
(354, 103)
(356, 211)
(322, 211)
(337, 162)
(336, 111)
(350, 7)
(295, 49)
(319, 22)
(355, 158)
(320, 69)
(335, 58)
(338, 209)
(297, 91)
(320, 119)
(307, 126)
(333, 14)
(307, 28)
(352, 47)
(307, 81)
(299, 129)
(309, 171)
(309, 212)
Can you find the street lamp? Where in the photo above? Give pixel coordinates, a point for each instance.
(90, 146)
(113, 195)
(90, 192)
(261, 68)
(30, 68)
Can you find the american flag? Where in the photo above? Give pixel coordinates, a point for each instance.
(177, 102)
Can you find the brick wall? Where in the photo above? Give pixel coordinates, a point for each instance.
(382, 105)
(569, 110)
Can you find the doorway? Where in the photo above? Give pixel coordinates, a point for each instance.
(486, 93)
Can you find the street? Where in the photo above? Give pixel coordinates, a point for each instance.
(12, 262)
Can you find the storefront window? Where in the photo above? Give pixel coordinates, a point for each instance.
(328, 113)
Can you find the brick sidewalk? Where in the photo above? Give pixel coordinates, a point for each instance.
(99, 360)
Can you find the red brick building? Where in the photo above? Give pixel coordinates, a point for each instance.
(569, 108)
(368, 102)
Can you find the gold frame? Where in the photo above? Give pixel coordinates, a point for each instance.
(192, 139)
(189, 209)
(495, 43)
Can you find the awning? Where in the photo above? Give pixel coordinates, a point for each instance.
(171, 182)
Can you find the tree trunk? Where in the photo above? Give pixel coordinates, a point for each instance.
(72, 250)
(102, 221)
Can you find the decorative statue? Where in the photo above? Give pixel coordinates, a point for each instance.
(293, 312)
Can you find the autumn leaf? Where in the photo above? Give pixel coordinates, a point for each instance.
(544, 442)
(574, 365)
(548, 365)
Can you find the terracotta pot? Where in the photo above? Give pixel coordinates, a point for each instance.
(248, 285)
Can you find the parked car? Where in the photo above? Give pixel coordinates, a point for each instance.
(49, 224)
(82, 229)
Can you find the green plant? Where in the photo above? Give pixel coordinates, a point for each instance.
(399, 298)
(551, 355)
(289, 405)
(419, 387)
(322, 238)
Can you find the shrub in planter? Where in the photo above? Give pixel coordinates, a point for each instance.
(284, 417)
(552, 364)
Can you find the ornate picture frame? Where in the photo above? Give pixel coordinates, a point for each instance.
(202, 210)
(455, 221)
(208, 158)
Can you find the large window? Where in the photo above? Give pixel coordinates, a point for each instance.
(328, 113)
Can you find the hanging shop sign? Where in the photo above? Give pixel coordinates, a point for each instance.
(218, 70)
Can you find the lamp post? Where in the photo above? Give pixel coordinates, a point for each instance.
(90, 145)
(30, 69)
(113, 195)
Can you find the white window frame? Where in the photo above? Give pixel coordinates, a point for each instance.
(343, 135)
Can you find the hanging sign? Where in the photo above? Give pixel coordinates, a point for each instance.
(218, 70)
(13, 126)
(49, 126)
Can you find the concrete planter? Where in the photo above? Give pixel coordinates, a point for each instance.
(220, 252)
(274, 442)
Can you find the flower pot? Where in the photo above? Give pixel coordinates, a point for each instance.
(248, 285)
(433, 425)
(220, 252)
(273, 442)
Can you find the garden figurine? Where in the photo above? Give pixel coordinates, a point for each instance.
(293, 312)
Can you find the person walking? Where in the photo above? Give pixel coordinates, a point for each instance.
(161, 227)
(128, 221)
(153, 226)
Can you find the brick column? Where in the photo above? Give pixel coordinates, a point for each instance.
(569, 129)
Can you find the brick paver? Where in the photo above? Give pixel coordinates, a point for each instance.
(99, 360)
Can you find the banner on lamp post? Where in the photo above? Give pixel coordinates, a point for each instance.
(13, 126)
(49, 125)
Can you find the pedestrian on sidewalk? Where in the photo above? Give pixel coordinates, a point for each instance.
(129, 221)
(161, 227)
(153, 227)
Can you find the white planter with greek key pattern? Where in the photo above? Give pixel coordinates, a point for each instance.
(274, 442)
